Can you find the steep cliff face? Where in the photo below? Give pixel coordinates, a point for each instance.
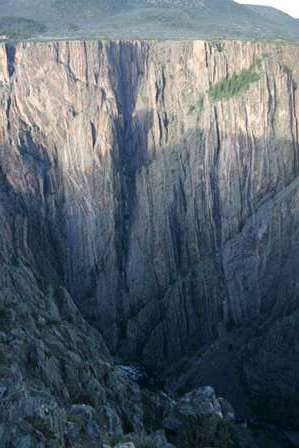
(164, 199)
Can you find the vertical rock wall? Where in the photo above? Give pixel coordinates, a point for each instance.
(167, 215)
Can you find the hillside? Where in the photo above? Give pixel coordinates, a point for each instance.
(155, 19)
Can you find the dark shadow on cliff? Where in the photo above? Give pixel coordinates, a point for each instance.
(182, 292)
(188, 272)
(33, 216)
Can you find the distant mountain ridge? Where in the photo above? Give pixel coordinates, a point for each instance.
(153, 19)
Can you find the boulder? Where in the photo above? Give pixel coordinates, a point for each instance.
(197, 420)
(125, 445)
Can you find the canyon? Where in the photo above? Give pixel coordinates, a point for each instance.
(149, 211)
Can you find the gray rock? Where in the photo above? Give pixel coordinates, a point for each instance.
(226, 410)
(197, 416)
(201, 402)
(159, 440)
(26, 442)
(125, 445)
(165, 219)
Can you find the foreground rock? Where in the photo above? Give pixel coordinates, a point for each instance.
(58, 386)
(197, 420)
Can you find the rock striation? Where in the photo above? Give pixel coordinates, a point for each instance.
(157, 184)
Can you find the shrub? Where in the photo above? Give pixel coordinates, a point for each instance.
(236, 85)
(198, 106)
(217, 45)
(73, 27)
(19, 27)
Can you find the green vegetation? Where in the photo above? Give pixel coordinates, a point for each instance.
(264, 57)
(286, 69)
(73, 27)
(218, 45)
(18, 27)
(198, 106)
(236, 85)
(160, 19)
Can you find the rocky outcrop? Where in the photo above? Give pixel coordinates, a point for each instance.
(197, 420)
(58, 385)
(168, 214)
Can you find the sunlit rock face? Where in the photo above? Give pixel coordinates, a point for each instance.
(169, 214)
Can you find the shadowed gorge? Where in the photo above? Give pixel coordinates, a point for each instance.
(151, 190)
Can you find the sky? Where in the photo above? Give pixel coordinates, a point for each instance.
(289, 6)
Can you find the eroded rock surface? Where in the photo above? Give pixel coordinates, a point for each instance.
(168, 216)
